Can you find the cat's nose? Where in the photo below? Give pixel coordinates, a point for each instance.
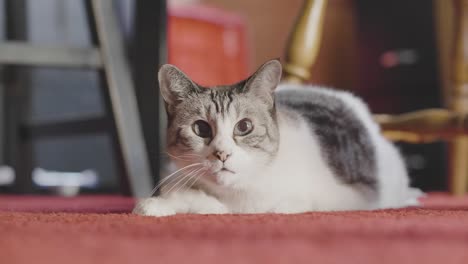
(222, 155)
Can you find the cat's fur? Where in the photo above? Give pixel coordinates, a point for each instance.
(310, 149)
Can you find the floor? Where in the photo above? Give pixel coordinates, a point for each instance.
(100, 230)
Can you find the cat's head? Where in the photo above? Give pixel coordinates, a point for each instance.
(231, 130)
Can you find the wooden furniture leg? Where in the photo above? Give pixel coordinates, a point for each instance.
(459, 146)
(304, 42)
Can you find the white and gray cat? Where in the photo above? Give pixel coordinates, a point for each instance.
(260, 146)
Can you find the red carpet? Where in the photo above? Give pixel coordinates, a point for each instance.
(81, 204)
(437, 233)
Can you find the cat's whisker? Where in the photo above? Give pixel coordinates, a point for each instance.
(184, 157)
(188, 160)
(183, 154)
(171, 175)
(190, 156)
(189, 177)
(172, 183)
(179, 177)
(196, 178)
(176, 157)
(193, 177)
(184, 177)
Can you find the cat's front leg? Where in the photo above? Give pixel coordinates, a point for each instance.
(154, 206)
(189, 201)
(292, 206)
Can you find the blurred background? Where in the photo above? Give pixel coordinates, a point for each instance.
(58, 125)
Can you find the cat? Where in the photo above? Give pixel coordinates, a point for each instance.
(259, 146)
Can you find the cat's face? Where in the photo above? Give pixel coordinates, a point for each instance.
(231, 130)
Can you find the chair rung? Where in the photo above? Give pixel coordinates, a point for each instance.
(20, 53)
(66, 128)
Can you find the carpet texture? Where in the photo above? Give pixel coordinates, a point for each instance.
(436, 233)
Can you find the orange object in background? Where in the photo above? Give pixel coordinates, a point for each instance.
(208, 44)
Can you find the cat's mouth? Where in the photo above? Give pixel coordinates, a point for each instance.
(224, 169)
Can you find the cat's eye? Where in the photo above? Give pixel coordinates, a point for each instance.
(202, 129)
(243, 127)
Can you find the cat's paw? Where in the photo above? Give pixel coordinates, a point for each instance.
(153, 207)
(212, 208)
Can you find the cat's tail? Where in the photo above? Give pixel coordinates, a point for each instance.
(396, 190)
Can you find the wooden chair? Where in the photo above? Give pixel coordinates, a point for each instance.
(422, 126)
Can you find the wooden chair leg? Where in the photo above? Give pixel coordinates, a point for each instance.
(459, 147)
(459, 165)
(304, 42)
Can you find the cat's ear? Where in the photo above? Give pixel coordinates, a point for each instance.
(265, 80)
(174, 84)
